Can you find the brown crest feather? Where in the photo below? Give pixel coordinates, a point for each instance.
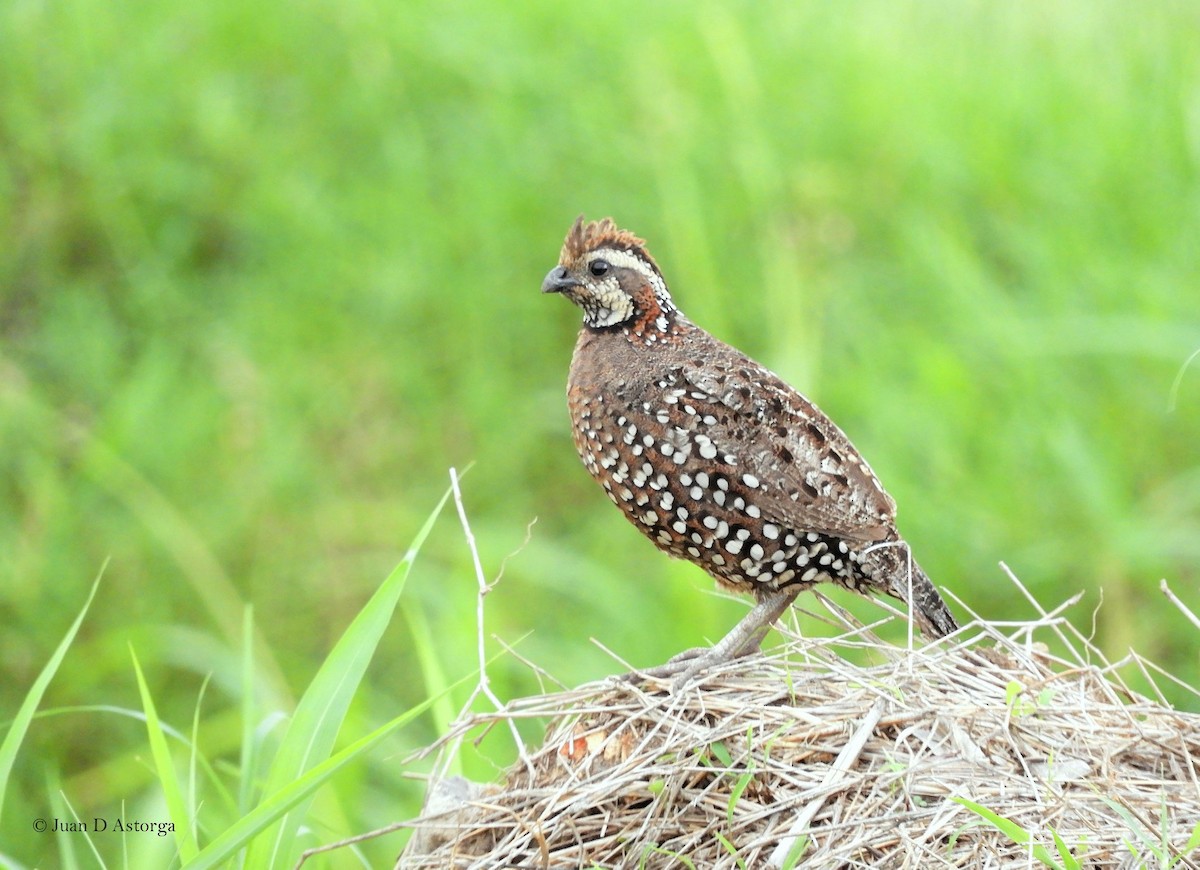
(593, 235)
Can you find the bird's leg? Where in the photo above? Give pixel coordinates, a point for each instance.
(746, 637)
(743, 639)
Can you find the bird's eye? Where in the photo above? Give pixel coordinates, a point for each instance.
(599, 267)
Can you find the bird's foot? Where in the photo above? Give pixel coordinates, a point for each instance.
(745, 639)
(681, 669)
(674, 665)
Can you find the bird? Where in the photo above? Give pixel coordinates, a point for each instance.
(715, 458)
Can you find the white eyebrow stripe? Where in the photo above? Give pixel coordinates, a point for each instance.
(625, 259)
(618, 257)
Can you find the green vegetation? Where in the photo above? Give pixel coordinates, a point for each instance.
(272, 802)
(1026, 838)
(268, 270)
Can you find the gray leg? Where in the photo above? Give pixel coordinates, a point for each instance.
(744, 639)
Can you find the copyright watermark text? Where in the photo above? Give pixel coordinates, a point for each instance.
(102, 826)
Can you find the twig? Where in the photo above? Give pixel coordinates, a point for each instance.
(543, 675)
(1173, 395)
(484, 588)
(872, 750)
(622, 662)
(350, 841)
(1183, 608)
(1048, 618)
(845, 760)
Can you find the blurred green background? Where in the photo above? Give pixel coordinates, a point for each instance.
(268, 270)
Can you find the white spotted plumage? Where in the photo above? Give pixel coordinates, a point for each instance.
(713, 456)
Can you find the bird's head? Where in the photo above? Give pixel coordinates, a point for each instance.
(608, 273)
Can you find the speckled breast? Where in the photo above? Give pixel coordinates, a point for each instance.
(686, 492)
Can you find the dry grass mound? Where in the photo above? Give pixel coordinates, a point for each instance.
(980, 751)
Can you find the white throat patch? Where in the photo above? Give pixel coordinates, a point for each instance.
(609, 304)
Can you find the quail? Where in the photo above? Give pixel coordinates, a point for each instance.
(715, 458)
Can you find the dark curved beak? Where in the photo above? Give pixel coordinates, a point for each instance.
(558, 279)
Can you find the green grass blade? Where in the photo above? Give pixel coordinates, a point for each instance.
(163, 518)
(185, 832)
(432, 673)
(194, 756)
(277, 804)
(249, 753)
(792, 859)
(1133, 824)
(1070, 862)
(1003, 824)
(1193, 842)
(659, 850)
(1010, 829)
(735, 794)
(730, 848)
(1190, 846)
(20, 723)
(68, 857)
(721, 752)
(319, 715)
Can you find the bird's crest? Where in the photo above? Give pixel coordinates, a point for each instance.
(592, 235)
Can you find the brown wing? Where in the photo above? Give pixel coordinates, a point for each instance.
(809, 474)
